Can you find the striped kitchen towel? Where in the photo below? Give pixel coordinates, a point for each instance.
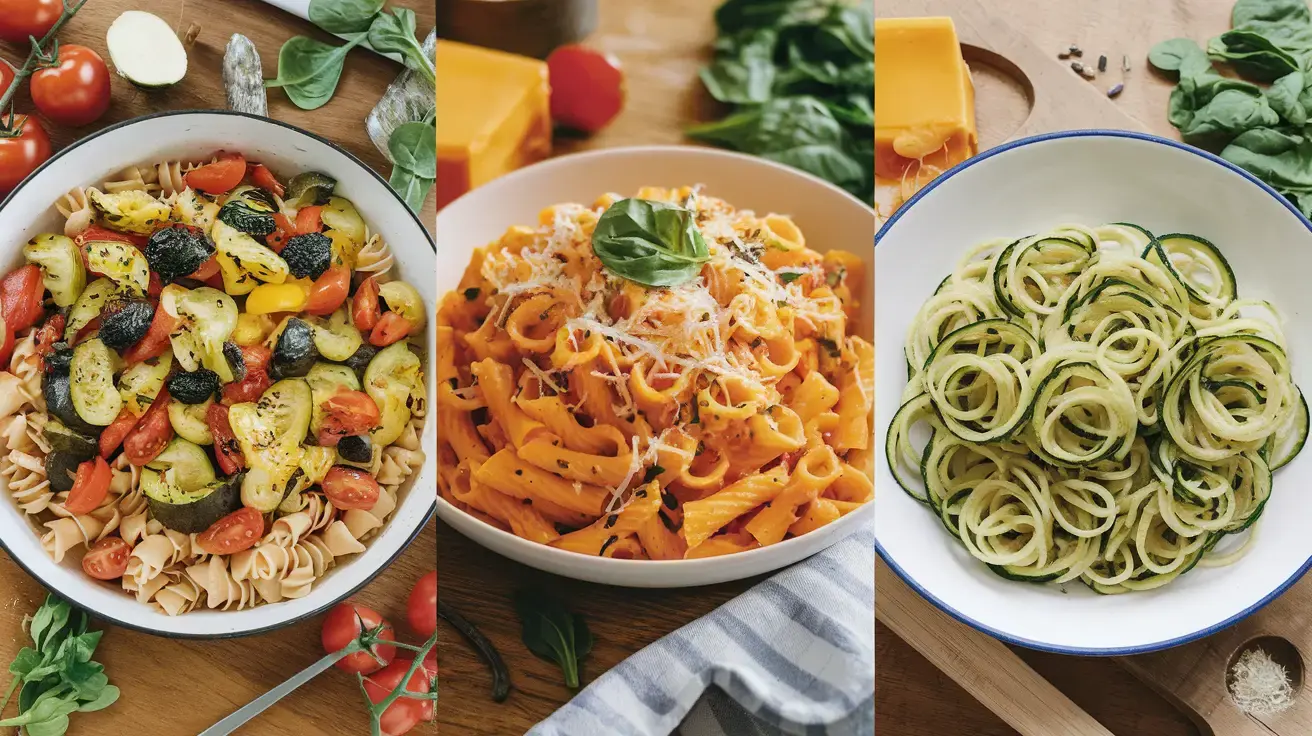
(793, 655)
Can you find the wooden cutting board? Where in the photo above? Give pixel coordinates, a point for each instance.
(175, 687)
(1023, 90)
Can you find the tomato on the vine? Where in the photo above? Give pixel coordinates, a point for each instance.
(344, 625)
(20, 154)
(421, 608)
(6, 75)
(108, 559)
(404, 713)
(76, 90)
(22, 18)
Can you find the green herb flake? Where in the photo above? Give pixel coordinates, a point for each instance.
(552, 632)
(650, 243)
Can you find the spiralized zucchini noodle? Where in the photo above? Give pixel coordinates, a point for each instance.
(1095, 404)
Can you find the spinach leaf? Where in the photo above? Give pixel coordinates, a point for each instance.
(553, 633)
(1169, 55)
(1287, 23)
(737, 15)
(650, 243)
(395, 33)
(414, 146)
(744, 73)
(344, 16)
(1253, 55)
(308, 70)
(1228, 114)
(1281, 159)
(1283, 97)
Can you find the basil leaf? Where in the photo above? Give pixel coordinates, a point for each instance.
(413, 146)
(553, 633)
(103, 700)
(650, 243)
(412, 187)
(395, 33)
(344, 16)
(308, 70)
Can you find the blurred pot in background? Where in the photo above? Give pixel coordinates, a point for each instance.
(527, 27)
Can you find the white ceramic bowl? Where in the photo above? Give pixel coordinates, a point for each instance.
(30, 210)
(1092, 177)
(830, 219)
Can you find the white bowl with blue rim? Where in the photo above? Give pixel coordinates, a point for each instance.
(188, 135)
(1092, 177)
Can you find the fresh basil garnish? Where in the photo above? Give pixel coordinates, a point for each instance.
(650, 243)
(553, 632)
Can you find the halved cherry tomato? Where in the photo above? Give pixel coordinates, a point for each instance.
(75, 91)
(117, 430)
(309, 219)
(265, 179)
(220, 176)
(108, 559)
(147, 440)
(391, 328)
(257, 378)
(156, 340)
(50, 332)
(364, 305)
(329, 291)
(206, 271)
(155, 286)
(21, 296)
(404, 713)
(90, 486)
(344, 624)
(351, 488)
(96, 232)
(21, 154)
(347, 413)
(587, 87)
(284, 232)
(421, 607)
(233, 533)
(226, 449)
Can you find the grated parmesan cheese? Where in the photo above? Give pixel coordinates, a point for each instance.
(1259, 685)
(542, 376)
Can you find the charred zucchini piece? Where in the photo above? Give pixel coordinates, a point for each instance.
(194, 387)
(62, 272)
(310, 188)
(124, 322)
(177, 251)
(131, 211)
(92, 383)
(308, 255)
(294, 353)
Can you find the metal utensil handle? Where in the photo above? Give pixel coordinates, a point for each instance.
(260, 704)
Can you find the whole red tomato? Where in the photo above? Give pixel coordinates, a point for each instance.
(587, 87)
(21, 154)
(22, 18)
(421, 609)
(76, 91)
(6, 75)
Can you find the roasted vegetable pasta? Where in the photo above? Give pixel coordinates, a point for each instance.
(662, 377)
(212, 382)
(1099, 404)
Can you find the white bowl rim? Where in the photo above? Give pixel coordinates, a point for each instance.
(612, 564)
(1029, 643)
(419, 529)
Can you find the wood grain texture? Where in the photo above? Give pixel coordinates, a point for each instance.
(177, 688)
(661, 44)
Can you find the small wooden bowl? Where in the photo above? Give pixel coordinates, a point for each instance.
(527, 27)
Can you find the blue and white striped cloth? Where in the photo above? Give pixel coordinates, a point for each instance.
(794, 655)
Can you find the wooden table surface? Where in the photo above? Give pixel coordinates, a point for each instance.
(178, 688)
(912, 697)
(661, 44)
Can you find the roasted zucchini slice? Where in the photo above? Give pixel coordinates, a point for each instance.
(207, 317)
(337, 338)
(91, 378)
(62, 272)
(88, 306)
(392, 376)
(270, 432)
(245, 262)
(140, 384)
(122, 263)
(340, 215)
(404, 299)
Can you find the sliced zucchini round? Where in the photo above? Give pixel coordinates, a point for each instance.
(140, 384)
(245, 263)
(62, 272)
(337, 338)
(188, 421)
(389, 380)
(129, 211)
(91, 379)
(185, 465)
(326, 379)
(208, 317)
(189, 512)
(88, 306)
(122, 263)
(309, 188)
(145, 50)
(270, 433)
(340, 215)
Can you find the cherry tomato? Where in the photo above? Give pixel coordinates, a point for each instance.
(329, 291)
(22, 18)
(96, 232)
(152, 433)
(391, 328)
(118, 429)
(233, 533)
(226, 449)
(220, 176)
(6, 75)
(365, 311)
(76, 91)
(421, 609)
(21, 295)
(90, 486)
(265, 179)
(21, 154)
(156, 340)
(404, 713)
(257, 378)
(51, 332)
(284, 232)
(351, 488)
(344, 624)
(309, 219)
(206, 271)
(108, 559)
(347, 413)
(587, 87)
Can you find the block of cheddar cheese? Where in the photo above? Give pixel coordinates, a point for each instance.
(924, 106)
(493, 116)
